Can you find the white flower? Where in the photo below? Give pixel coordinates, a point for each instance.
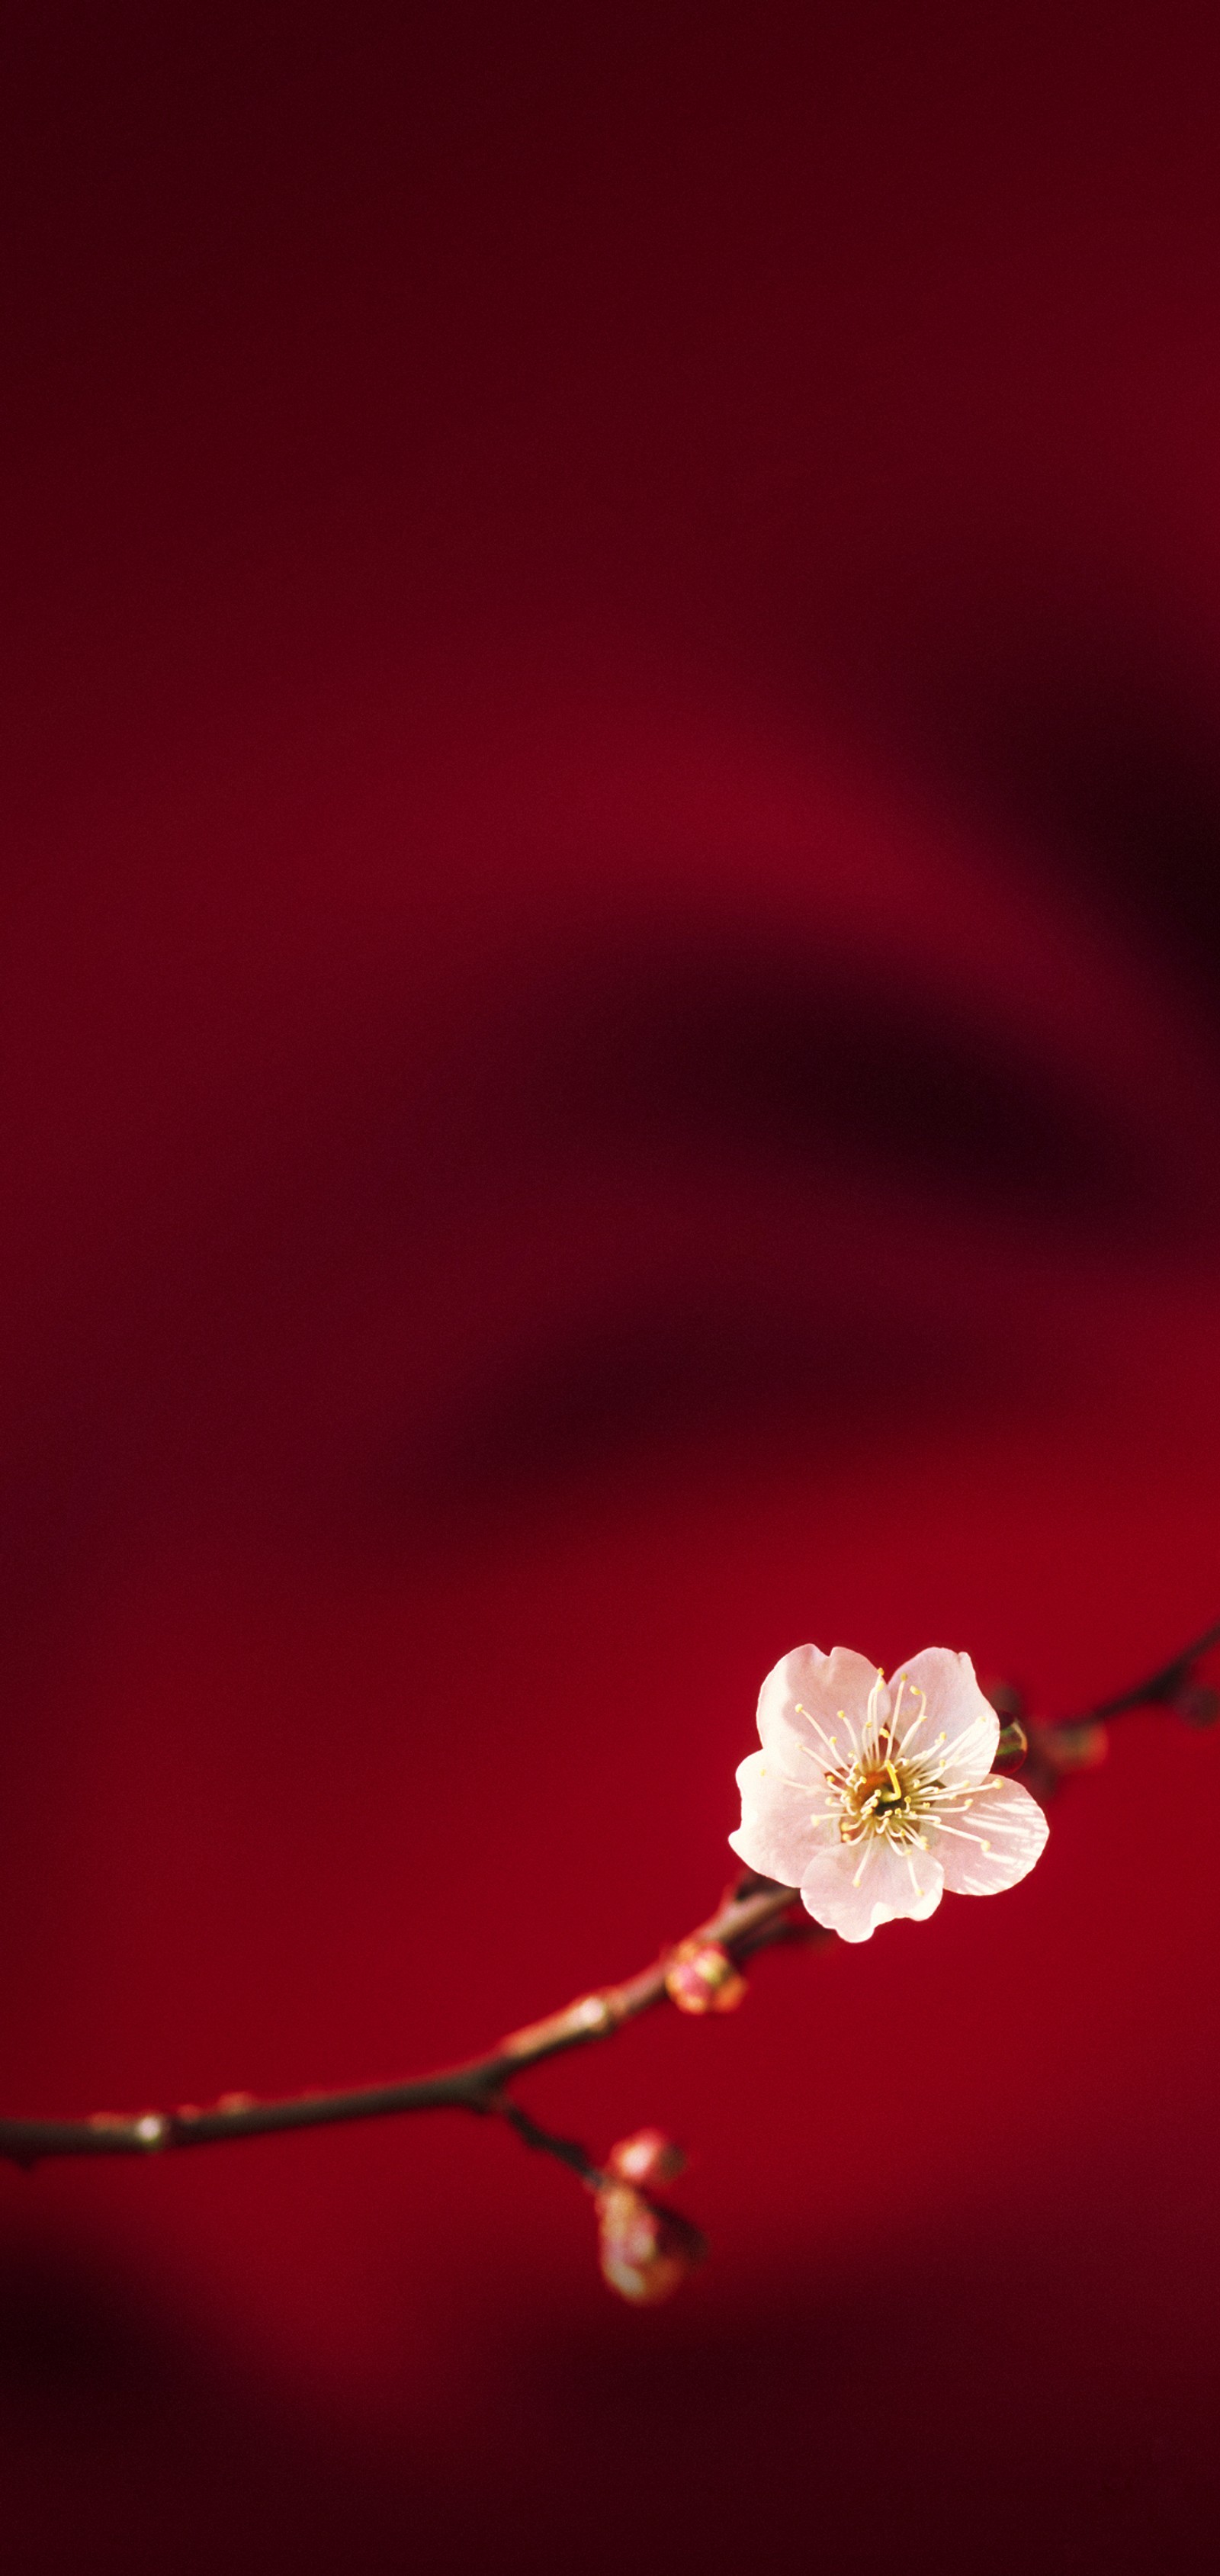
(874, 1798)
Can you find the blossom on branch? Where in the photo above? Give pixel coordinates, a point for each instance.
(645, 2251)
(703, 1979)
(646, 2158)
(873, 1798)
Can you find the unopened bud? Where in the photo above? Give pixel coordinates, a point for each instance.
(1078, 1746)
(646, 2158)
(645, 2252)
(702, 1979)
(1197, 1702)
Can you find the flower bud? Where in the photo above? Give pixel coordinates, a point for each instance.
(702, 1978)
(1077, 1746)
(645, 2252)
(645, 2158)
(1196, 1702)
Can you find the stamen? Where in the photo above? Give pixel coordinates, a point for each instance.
(916, 1723)
(994, 1780)
(828, 1740)
(845, 1720)
(975, 1727)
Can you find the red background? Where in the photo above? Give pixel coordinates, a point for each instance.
(609, 1062)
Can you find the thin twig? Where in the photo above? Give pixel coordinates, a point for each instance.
(751, 1915)
(567, 2151)
(1159, 1687)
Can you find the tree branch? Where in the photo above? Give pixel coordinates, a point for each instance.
(1165, 1684)
(752, 1914)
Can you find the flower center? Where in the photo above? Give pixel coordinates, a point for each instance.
(880, 1789)
(879, 1795)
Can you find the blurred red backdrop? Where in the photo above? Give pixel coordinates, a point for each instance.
(610, 1061)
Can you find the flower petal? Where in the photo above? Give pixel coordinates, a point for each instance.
(987, 1838)
(957, 1724)
(856, 1887)
(816, 1702)
(784, 1821)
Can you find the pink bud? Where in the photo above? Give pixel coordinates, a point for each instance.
(702, 1978)
(645, 2252)
(1197, 1702)
(1077, 1746)
(646, 2158)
